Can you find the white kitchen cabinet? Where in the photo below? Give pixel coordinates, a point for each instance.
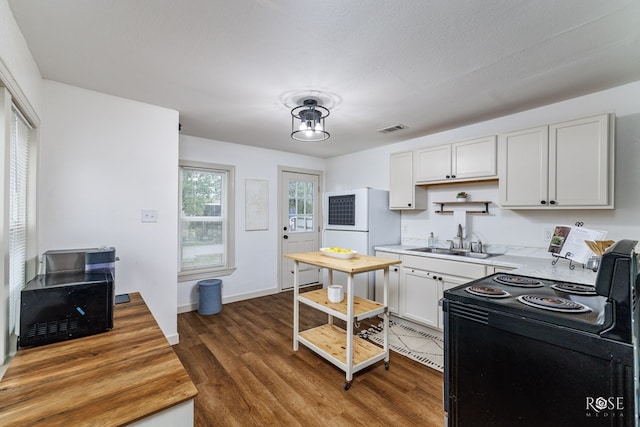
(394, 283)
(567, 165)
(422, 292)
(423, 281)
(473, 159)
(403, 193)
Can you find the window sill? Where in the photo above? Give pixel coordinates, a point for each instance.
(188, 276)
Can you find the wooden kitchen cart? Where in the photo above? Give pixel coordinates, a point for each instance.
(338, 346)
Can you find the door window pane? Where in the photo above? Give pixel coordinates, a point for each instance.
(301, 206)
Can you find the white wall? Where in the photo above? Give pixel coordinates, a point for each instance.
(256, 251)
(19, 73)
(16, 57)
(507, 227)
(104, 159)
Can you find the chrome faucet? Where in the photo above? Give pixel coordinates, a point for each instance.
(459, 236)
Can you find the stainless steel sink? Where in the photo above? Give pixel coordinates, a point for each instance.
(434, 251)
(455, 252)
(479, 255)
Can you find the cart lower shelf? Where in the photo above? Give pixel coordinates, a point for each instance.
(330, 342)
(362, 308)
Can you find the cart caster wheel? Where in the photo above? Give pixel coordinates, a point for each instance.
(386, 365)
(347, 385)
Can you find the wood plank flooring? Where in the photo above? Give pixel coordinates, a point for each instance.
(247, 374)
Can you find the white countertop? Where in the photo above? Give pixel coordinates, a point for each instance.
(523, 265)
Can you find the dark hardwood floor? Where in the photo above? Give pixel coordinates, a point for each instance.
(247, 374)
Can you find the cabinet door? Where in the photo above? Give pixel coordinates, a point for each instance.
(403, 193)
(475, 158)
(448, 282)
(394, 283)
(420, 297)
(579, 162)
(523, 168)
(433, 164)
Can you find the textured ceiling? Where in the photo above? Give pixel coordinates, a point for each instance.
(232, 68)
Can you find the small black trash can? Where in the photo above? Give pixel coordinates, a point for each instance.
(210, 301)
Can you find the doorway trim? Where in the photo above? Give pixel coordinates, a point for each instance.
(320, 175)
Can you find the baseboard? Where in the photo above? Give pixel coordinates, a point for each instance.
(188, 307)
(173, 339)
(234, 298)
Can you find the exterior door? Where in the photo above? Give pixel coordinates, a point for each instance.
(299, 224)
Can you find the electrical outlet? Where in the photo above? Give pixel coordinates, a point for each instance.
(149, 215)
(548, 234)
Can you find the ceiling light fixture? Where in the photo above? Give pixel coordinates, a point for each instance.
(307, 122)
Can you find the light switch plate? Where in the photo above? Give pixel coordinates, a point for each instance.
(149, 215)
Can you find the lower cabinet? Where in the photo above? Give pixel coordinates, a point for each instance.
(423, 291)
(423, 281)
(394, 283)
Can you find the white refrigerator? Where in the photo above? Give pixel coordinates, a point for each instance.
(359, 220)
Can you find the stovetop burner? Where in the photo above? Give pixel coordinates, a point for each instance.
(519, 281)
(553, 303)
(574, 288)
(487, 291)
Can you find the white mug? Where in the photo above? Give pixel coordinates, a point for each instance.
(335, 293)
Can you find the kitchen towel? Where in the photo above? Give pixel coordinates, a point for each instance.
(460, 218)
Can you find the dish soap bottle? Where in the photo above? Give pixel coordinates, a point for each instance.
(432, 241)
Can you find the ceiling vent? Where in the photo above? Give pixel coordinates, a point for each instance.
(393, 128)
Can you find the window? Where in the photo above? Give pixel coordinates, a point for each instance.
(18, 175)
(206, 220)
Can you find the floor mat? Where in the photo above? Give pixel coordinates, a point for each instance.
(426, 348)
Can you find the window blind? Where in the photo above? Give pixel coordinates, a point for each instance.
(20, 140)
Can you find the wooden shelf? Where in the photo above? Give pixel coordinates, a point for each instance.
(362, 308)
(331, 341)
(468, 202)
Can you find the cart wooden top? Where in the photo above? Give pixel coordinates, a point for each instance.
(357, 264)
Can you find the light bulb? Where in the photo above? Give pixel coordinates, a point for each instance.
(318, 127)
(308, 133)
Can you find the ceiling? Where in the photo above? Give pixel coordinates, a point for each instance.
(234, 69)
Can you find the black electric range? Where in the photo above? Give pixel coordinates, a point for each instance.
(567, 304)
(536, 351)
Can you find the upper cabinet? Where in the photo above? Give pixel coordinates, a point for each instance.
(567, 165)
(468, 160)
(403, 193)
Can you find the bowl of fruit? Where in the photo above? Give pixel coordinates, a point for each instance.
(340, 253)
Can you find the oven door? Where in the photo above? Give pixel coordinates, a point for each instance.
(508, 370)
(347, 210)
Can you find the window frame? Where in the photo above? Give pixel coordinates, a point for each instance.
(229, 267)
(13, 105)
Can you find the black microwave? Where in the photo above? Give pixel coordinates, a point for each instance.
(66, 305)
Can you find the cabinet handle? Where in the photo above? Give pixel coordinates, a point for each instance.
(552, 202)
(448, 176)
(453, 176)
(409, 204)
(543, 202)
